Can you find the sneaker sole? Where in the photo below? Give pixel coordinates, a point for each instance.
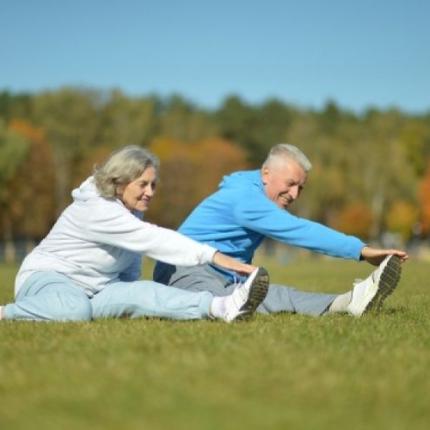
(387, 284)
(257, 293)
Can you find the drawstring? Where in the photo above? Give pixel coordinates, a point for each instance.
(237, 280)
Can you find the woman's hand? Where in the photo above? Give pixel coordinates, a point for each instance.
(375, 256)
(229, 263)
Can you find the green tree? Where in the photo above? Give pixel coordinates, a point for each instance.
(70, 119)
(237, 122)
(127, 121)
(13, 151)
(180, 119)
(15, 105)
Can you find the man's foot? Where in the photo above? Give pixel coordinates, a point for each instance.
(370, 294)
(246, 297)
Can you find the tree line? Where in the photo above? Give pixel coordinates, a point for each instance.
(371, 171)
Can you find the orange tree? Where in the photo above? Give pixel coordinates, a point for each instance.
(31, 188)
(401, 219)
(424, 196)
(189, 172)
(355, 219)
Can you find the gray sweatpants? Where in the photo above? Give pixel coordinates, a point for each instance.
(279, 298)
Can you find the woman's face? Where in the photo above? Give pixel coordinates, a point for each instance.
(137, 194)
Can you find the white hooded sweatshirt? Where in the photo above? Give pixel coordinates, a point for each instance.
(97, 241)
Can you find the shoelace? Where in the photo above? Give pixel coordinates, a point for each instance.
(239, 294)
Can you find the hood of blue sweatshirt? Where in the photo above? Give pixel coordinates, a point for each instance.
(242, 179)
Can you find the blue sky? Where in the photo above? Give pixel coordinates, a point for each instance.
(358, 53)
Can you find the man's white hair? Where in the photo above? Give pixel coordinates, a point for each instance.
(287, 151)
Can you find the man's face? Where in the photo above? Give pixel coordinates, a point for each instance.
(283, 181)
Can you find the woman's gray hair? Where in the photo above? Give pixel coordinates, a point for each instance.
(122, 167)
(285, 150)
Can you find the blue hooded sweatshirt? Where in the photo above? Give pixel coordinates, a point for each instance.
(237, 217)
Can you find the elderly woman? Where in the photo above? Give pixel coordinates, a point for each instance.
(88, 266)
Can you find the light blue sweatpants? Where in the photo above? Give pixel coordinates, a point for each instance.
(51, 296)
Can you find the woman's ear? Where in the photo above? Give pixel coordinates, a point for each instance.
(119, 188)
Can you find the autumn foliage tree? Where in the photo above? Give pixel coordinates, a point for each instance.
(401, 219)
(27, 185)
(367, 168)
(32, 187)
(424, 196)
(13, 150)
(355, 219)
(189, 172)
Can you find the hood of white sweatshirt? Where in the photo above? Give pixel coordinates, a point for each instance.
(86, 191)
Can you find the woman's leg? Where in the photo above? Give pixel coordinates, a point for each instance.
(49, 296)
(147, 298)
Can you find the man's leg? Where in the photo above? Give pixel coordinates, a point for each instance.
(49, 296)
(368, 294)
(195, 278)
(279, 298)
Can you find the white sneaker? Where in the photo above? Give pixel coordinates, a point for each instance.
(371, 293)
(246, 297)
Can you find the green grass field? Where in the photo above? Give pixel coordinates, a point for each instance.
(273, 372)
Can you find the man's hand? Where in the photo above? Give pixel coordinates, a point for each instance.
(375, 256)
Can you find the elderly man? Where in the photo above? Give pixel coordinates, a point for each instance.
(252, 205)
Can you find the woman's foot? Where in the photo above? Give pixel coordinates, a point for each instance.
(245, 298)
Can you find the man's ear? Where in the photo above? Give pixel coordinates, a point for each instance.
(264, 174)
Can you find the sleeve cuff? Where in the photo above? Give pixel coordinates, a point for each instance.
(208, 254)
